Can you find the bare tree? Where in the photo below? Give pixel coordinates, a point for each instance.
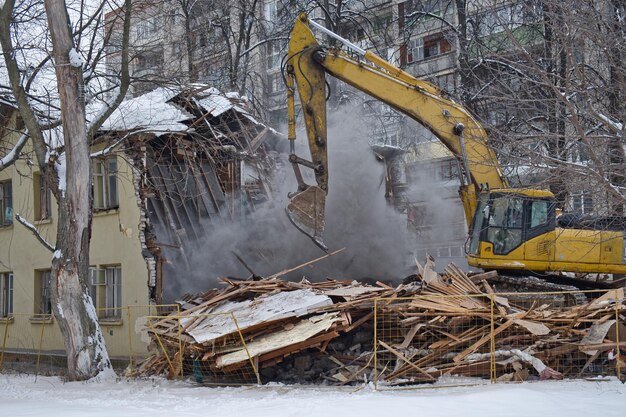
(75, 51)
(548, 79)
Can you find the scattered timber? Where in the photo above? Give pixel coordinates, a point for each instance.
(432, 326)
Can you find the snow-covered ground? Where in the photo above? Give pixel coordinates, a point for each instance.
(48, 396)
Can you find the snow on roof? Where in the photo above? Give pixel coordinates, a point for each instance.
(151, 112)
(216, 103)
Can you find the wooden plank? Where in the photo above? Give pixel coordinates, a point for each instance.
(458, 358)
(408, 362)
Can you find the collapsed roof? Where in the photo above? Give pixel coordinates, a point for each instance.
(202, 159)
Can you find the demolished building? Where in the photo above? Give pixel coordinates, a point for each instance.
(167, 167)
(200, 158)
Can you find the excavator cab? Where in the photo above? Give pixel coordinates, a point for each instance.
(504, 220)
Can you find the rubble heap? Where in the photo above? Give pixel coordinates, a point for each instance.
(429, 327)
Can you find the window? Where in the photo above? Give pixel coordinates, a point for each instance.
(177, 49)
(435, 45)
(275, 83)
(539, 213)
(505, 18)
(415, 50)
(582, 202)
(43, 296)
(6, 203)
(419, 49)
(105, 289)
(432, 7)
(151, 60)
(6, 294)
(274, 49)
(447, 170)
(271, 10)
(580, 153)
(105, 184)
(147, 27)
(505, 224)
(43, 198)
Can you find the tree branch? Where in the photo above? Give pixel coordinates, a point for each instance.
(14, 153)
(35, 232)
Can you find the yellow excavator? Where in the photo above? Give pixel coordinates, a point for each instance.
(510, 228)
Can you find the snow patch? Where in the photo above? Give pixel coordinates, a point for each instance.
(61, 168)
(76, 60)
(150, 112)
(31, 396)
(58, 254)
(60, 309)
(13, 152)
(25, 222)
(617, 126)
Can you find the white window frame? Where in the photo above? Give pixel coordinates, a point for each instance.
(105, 289)
(414, 50)
(270, 10)
(273, 55)
(6, 294)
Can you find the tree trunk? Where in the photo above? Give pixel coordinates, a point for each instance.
(72, 306)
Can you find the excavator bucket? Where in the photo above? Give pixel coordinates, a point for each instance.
(306, 212)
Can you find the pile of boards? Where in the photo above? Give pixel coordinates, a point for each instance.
(430, 327)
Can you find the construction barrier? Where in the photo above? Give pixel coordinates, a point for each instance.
(471, 339)
(33, 342)
(427, 340)
(236, 367)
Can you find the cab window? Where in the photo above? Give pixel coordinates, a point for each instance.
(539, 213)
(505, 224)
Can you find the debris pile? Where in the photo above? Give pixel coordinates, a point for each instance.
(430, 327)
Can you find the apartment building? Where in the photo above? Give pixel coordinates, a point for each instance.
(118, 272)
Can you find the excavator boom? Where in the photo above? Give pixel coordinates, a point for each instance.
(307, 65)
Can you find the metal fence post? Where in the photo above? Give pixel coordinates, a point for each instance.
(43, 326)
(492, 347)
(130, 339)
(375, 344)
(4, 340)
(618, 358)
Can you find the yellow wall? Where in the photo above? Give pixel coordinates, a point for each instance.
(115, 240)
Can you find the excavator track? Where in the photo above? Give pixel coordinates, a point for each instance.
(528, 289)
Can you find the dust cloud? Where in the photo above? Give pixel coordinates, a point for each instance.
(358, 218)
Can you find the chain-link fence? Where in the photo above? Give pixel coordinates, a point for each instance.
(33, 342)
(470, 339)
(234, 366)
(430, 339)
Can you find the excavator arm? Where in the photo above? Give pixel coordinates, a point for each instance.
(308, 63)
